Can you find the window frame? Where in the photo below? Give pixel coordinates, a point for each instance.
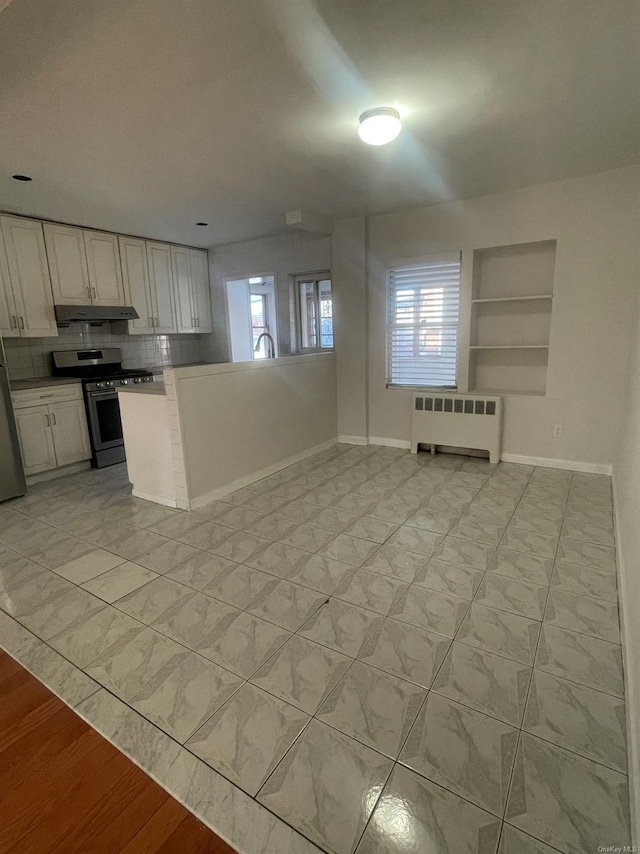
(416, 261)
(316, 277)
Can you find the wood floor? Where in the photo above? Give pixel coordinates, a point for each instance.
(64, 788)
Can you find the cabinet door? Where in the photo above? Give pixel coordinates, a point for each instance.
(29, 276)
(70, 433)
(36, 439)
(161, 278)
(137, 289)
(67, 264)
(200, 289)
(103, 263)
(181, 267)
(8, 316)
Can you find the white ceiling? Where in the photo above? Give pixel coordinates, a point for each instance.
(145, 116)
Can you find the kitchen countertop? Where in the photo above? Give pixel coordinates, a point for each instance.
(41, 382)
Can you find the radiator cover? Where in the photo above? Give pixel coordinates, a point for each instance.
(458, 420)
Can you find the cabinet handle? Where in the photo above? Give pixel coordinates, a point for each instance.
(47, 420)
(14, 322)
(95, 295)
(151, 320)
(89, 292)
(22, 323)
(157, 321)
(53, 419)
(197, 321)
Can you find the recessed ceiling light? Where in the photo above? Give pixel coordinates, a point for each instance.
(202, 223)
(379, 126)
(21, 178)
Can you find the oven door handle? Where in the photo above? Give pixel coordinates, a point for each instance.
(109, 393)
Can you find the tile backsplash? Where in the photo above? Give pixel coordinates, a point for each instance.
(30, 357)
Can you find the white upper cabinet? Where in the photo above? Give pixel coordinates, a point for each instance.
(161, 279)
(201, 295)
(103, 264)
(67, 264)
(8, 317)
(182, 289)
(137, 288)
(29, 280)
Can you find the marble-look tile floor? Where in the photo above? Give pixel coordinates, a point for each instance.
(368, 651)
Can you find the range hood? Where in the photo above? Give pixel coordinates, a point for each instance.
(66, 314)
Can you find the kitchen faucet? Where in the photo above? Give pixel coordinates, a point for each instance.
(271, 350)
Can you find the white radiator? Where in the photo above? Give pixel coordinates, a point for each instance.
(457, 420)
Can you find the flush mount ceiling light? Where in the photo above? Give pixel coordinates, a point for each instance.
(21, 178)
(379, 126)
(202, 223)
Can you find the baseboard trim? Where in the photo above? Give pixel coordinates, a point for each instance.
(52, 474)
(221, 491)
(567, 465)
(404, 444)
(353, 440)
(632, 698)
(146, 496)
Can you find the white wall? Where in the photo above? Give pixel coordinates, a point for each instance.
(626, 489)
(283, 256)
(593, 221)
(233, 422)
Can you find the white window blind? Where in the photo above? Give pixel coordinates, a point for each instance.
(423, 300)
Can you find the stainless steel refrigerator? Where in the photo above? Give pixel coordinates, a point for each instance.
(12, 482)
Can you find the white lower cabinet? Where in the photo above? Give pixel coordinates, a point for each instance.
(52, 428)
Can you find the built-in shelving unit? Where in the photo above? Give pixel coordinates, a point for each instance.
(511, 308)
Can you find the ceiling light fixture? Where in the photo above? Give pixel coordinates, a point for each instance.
(202, 223)
(379, 126)
(21, 178)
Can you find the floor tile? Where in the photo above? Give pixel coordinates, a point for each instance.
(416, 540)
(597, 583)
(59, 613)
(53, 552)
(530, 543)
(450, 578)
(479, 531)
(532, 568)
(202, 570)
(587, 554)
(239, 518)
(536, 523)
(373, 707)
(485, 682)
(415, 815)
(248, 736)
(206, 536)
(465, 552)
(430, 520)
(341, 626)
(16, 569)
(120, 581)
(588, 532)
(349, 549)
(568, 802)
(239, 547)
(580, 719)
(321, 573)
(242, 643)
(370, 528)
(584, 515)
(326, 787)
(271, 527)
(513, 595)
(496, 631)
(34, 590)
(579, 658)
(152, 601)
(167, 556)
(88, 566)
(582, 614)
(371, 590)
(302, 673)
(463, 750)
(498, 516)
(177, 525)
(278, 559)
(134, 662)
(406, 651)
(181, 699)
(429, 609)
(396, 563)
(91, 637)
(299, 511)
(286, 604)
(335, 520)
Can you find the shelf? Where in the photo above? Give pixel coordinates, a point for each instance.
(509, 347)
(513, 299)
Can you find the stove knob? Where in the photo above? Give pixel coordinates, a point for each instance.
(137, 380)
(124, 382)
(99, 385)
(109, 385)
(147, 379)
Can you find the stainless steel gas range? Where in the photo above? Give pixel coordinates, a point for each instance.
(102, 374)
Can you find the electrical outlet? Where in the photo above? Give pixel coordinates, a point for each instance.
(557, 430)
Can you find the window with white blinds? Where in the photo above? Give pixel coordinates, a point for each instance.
(423, 300)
